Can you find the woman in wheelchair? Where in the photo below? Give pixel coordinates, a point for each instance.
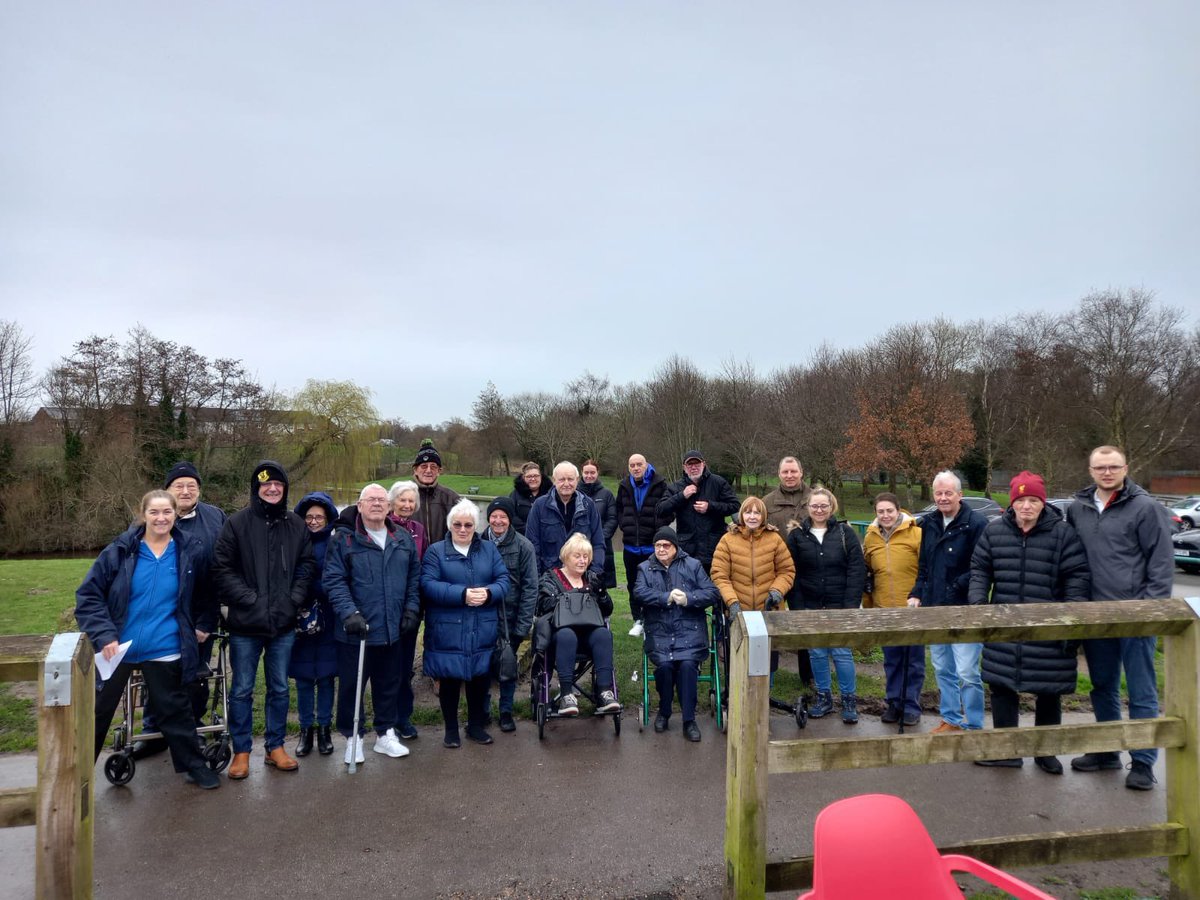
(577, 607)
(674, 592)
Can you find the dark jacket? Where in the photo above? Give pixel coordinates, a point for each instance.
(521, 562)
(784, 506)
(638, 523)
(314, 656)
(415, 529)
(523, 498)
(1128, 545)
(830, 574)
(459, 639)
(381, 583)
(699, 534)
(1047, 565)
(944, 566)
(547, 530)
(606, 507)
(551, 591)
(199, 532)
(102, 600)
(262, 566)
(436, 503)
(675, 632)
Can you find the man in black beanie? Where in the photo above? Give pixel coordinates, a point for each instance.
(436, 499)
(521, 561)
(262, 566)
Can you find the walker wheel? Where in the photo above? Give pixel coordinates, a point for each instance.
(541, 720)
(217, 755)
(119, 768)
(617, 723)
(801, 712)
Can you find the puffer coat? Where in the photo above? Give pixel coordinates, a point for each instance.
(675, 632)
(747, 564)
(830, 574)
(892, 563)
(459, 639)
(1046, 565)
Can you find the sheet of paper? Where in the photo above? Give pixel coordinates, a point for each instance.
(105, 667)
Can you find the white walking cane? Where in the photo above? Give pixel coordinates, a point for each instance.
(355, 738)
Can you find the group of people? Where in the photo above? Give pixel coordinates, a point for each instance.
(315, 594)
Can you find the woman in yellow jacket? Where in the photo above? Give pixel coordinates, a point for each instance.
(892, 546)
(752, 566)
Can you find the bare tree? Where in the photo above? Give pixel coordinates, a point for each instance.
(493, 426)
(678, 399)
(543, 427)
(18, 386)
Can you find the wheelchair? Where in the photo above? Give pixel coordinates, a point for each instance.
(541, 672)
(717, 632)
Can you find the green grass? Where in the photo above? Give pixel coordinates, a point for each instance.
(38, 594)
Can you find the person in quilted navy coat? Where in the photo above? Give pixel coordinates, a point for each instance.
(675, 591)
(463, 580)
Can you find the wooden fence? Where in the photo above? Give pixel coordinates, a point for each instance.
(752, 755)
(60, 804)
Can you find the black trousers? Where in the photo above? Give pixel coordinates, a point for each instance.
(172, 706)
(381, 667)
(1006, 708)
(632, 561)
(685, 675)
(477, 711)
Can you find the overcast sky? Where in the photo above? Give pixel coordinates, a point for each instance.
(425, 196)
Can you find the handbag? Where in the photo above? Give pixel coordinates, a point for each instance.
(504, 658)
(577, 609)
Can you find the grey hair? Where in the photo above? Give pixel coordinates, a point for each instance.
(463, 508)
(401, 487)
(564, 465)
(792, 459)
(367, 487)
(947, 475)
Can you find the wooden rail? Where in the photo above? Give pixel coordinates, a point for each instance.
(752, 755)
(60, 805)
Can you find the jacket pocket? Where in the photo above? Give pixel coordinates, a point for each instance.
(447, 634)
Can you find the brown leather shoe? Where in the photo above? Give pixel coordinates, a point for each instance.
(240, 767)
(281, 761)
(947, 728)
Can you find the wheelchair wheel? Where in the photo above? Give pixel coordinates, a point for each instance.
(541, 720)
(641, 719)
(218, 754)
(119, 768)
(801, 711)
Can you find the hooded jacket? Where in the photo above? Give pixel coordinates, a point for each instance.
(606, 508)
(699, 533)
(638, 523)
(1128, 545)
(674, 632)
(262, 565)
(830, 573)
(892, 563)
(315, 655)
(746, 565)
(523, 499)
(1046, 565)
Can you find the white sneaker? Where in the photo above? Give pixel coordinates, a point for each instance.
(637, 629)
(351, 746)
(388, 743)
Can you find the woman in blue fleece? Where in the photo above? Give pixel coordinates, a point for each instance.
(140, 590)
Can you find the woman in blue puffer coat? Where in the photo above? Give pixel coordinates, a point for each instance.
(674, 592)
(314, 661)
(463, 578)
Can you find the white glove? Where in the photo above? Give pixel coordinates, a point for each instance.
(678, 597)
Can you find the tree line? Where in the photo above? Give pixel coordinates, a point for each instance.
(1032, 391)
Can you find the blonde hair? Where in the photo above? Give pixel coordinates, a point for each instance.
(833, 504)
(576, 543)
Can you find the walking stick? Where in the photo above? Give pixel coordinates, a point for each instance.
(355, 739)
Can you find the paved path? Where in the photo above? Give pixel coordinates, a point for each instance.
(581, 814)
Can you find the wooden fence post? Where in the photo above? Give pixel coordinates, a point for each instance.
(746, 761)
(66, 725)
(1181, 660)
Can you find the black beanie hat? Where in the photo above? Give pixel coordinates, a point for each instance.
(427, 453)
(181, 469)
(667, 533)
(506, 506)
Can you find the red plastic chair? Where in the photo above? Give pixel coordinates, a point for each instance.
(876, 846)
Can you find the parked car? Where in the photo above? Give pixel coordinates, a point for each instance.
(1188, 511)
(1187, 550)
(1063, 503)
(989, 508)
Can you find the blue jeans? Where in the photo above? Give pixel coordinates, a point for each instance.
(957, 669)
(1105, 658)
(322, 689)
(843, 662)
(244, 653)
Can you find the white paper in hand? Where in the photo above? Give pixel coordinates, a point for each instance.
(105, 667)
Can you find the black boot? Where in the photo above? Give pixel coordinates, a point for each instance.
(306, 741)
(324, 740)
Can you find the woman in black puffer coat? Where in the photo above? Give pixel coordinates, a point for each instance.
(1029, 555)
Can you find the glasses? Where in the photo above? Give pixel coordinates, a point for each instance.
(818, 506)
(312, 520)
(1106, 469)
(463, 525)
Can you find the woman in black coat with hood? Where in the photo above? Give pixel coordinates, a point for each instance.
(1029, 555)
(606, 506)
(528, 485)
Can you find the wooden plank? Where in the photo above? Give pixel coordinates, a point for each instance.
(818, 755)
(1182, 698)
(21, 656)
(18, 806)
(1022, 851)
(746, 774)
(63, 863)
(862, 628)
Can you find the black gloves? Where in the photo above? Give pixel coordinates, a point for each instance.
(774, 599)
(411, 621)
(735, 609)
(356, 625)
(595, 581)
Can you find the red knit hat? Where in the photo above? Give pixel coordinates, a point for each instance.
(1026, 484)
